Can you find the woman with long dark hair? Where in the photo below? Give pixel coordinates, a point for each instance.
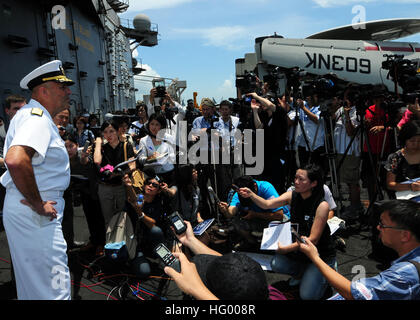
(111, 190)
(308, 214)
(159, 144)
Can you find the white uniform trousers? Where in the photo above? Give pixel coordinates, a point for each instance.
(37, 248)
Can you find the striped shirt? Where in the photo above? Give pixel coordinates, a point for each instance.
(399, 282)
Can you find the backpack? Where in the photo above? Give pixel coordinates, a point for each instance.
(121, 241)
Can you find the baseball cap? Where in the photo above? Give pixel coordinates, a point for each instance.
(50, 71)
(233, 276)
(207, 102)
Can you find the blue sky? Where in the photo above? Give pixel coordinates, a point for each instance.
(199, 40)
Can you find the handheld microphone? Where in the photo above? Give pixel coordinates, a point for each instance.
(213, 195)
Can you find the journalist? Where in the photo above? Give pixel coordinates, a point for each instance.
(399, 228)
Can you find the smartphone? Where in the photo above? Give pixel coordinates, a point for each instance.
(167, 257)
(86, 146)
(177, 222)
(297, 236)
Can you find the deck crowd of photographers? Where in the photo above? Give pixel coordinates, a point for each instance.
(372, 145)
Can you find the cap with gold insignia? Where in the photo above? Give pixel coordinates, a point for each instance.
(50, 71)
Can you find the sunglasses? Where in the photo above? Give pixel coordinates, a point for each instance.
(153, 184)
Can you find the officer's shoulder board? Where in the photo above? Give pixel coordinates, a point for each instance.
(37, 111)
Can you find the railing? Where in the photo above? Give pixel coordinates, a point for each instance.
(119, 5)
(128, 23)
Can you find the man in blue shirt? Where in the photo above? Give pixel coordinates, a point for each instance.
(399, 228)
(247, 216)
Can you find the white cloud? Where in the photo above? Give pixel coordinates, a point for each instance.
(222, 36)
(336, 3)
(226, 90)
(143, 81)
(154, 4)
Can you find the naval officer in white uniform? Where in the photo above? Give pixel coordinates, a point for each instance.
(38, 173)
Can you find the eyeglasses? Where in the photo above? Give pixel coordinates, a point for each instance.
(382, 226)
(153, 184)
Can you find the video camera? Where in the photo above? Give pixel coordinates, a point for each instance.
(248, 83)
(322, 87)
(272, 79)
(242, 108)
(406, 73)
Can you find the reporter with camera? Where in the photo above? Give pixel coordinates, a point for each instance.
(161, 102)
(205, 132)
(151, 225)
(273, 119)
(313, 128)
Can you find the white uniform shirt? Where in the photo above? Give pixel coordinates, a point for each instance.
(51, 161)
(341, 138)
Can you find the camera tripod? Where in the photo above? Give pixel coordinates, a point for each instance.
(292, 145)
(361, 130)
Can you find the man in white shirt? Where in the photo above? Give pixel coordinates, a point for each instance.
(346, 123)
(310, 114)
(231, 138)
(38, 173)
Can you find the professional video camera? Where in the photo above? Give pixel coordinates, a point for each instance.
(405, 73)
(362, 97)
(273, 79)
(242, 108)
(248, 83)
(322, 87)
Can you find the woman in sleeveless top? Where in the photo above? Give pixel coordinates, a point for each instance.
(309, 215)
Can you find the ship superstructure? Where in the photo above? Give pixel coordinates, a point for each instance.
(88, 36)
